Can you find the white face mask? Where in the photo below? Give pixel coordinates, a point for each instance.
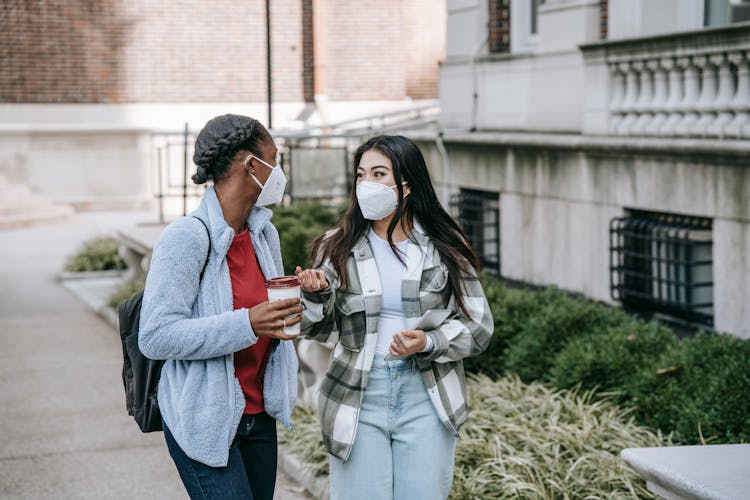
(273, 190)
(376, 201)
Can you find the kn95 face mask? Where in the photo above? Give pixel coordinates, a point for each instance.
(376, 201)
(273, 190)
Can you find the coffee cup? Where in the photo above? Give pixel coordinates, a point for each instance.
(284, 287)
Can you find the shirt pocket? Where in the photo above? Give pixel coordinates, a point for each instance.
(434, 279)
(434, 292)
(352, 320)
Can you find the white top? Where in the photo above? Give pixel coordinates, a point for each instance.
(392, 319)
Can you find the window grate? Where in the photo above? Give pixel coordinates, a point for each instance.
(478, 214)
(662, 263)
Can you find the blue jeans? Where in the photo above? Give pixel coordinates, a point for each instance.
(250, 473)
(401, 451)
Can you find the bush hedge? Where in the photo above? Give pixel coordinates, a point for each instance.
(695, 387)
(97, 254)
(298, 226)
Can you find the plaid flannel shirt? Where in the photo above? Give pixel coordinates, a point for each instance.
(349, 317)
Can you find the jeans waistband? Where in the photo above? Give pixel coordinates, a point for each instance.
(400, 364)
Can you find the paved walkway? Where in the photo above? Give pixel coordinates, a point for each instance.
(64, 431)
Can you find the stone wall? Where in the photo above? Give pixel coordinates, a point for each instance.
(559, 193)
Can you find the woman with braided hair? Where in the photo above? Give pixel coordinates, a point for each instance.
(230, 372)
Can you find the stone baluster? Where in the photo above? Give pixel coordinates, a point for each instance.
(707, 97)
(689, 98)
(675, 97)
(661, 95)
(723, 99)
(645, 98)
(740, 126)
(631, 97)
(617, 79)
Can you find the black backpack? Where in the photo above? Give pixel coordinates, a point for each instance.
(140, 375)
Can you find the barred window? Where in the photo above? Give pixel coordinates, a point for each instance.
(662, 263)
(478, 214)
(499, 26)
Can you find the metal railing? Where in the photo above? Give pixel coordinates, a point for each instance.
(171, 167)
(316, 159)
(662, 263)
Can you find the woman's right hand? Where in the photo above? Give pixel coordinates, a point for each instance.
(311, 280)
(267, 318)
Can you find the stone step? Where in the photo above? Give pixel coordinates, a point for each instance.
(20, 207)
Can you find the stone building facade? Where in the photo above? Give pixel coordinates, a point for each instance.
(602, 146)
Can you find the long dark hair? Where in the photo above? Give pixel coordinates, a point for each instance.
(421, 204)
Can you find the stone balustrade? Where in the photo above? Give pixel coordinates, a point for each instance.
(694, 84)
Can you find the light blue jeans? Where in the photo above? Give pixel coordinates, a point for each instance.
(401, 451)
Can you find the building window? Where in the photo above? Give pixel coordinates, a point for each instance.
(535, 15)
(719, 12)
(478, 214)
(662, 264)
(499, 36)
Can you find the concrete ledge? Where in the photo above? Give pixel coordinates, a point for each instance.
(94, 289)
(136, 245)
(729, 148)
(717, 472)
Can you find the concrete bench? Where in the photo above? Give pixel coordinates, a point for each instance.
(719, 472)
(136, 245)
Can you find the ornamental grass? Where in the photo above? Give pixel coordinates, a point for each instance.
(524, 441)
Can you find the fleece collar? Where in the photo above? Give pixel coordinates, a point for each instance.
(221, 234)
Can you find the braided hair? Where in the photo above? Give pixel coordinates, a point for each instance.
(218, 143)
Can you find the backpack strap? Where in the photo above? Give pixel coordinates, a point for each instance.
(209, 246)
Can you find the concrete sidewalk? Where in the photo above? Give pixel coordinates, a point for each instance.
(64, 431)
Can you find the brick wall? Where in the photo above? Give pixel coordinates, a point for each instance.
(424, 27)
(60, 51)
(128, 51)
(603, 18)
(210, 51)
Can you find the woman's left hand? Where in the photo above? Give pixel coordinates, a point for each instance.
(408, 342)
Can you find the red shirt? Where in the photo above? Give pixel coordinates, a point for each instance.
(248, 290)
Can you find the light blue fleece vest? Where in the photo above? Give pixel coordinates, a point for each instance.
(194, 327)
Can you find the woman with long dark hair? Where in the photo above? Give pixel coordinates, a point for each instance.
(397, 281)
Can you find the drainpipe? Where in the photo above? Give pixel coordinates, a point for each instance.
(269, 78)
(446, 168)
(475, 82)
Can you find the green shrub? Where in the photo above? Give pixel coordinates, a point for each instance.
(611, 360)
(98, 254)
(298, 226)
(124, 291)
(700, 390)
(545, 330)
(696, 387)
(510, 310)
